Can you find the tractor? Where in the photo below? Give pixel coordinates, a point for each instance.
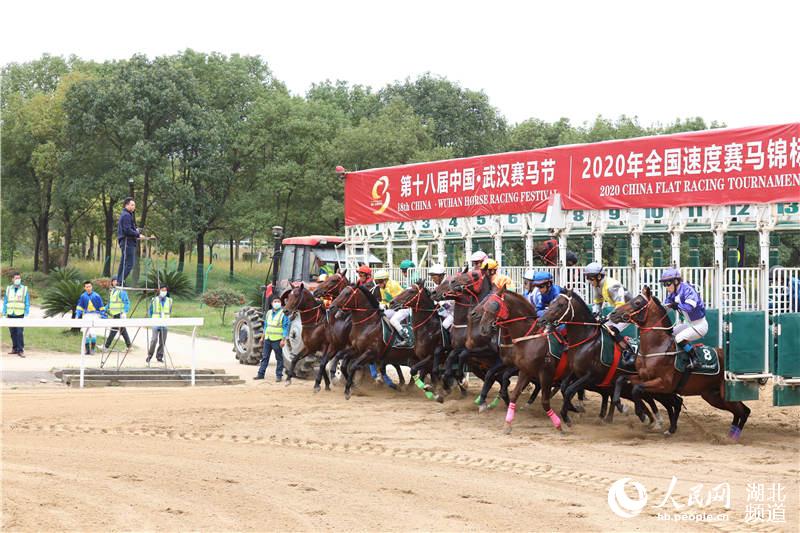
(295, 260)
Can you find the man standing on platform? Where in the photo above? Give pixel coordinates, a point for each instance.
(17, 304)
(127, 235)
(118, 306)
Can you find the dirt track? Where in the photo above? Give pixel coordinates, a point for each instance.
(268, 457)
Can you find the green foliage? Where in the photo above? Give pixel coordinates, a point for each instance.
(66, 274)
(62, 298)
(221, 299)
(177, 282)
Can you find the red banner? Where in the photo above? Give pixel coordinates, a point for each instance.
(713, 167)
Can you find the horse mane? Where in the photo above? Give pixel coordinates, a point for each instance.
(581, 303)
(516, 296)
(370, 297)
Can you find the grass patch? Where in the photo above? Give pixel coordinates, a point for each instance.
(47, 340)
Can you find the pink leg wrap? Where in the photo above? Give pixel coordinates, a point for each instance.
(512, 410)
(554, 418)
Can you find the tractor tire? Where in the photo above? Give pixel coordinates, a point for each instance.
(248, 335)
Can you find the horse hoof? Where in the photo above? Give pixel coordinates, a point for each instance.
(440, 398)
(507, 429)
(667, 433)
(327, 388)
(316, 389)
(347, 395)
(580, 408)
(482, 408)
(626, 410)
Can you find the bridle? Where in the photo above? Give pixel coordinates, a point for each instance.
(571, 310)
(317, 308)
(336, 288)
(356, 309)
(552, 247)
(503, 313)
(471, 289)
(417, 299)
(632, 316)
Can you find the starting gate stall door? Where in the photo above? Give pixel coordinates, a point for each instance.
(784, 309)
(575, 281)
(744, 333)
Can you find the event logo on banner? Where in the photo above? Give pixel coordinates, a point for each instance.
(731, 166)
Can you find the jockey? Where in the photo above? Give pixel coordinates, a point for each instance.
(610, 291)
(546, 293)
(527, 282)
(477, 259)
(405, 264)
(365, 276)
(445, 306)
(682, 297)
(389, 289)
(499, 280)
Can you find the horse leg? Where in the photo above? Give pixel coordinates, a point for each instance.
(323, 372)
(570, 391)
(678, 404)
(487, 386)
(448, 369)
(522, 382)
(581, 398)
(604, 405)
(615, 400)
(400, 377)
(547, 391)
(505, 383)
(537, 388)
(739, 411)
(354, 365)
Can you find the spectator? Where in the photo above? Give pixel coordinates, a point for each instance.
(16, 304)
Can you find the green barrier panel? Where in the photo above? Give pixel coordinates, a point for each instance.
(786, 358)
(744, 352)
(712, 337)
(744, 342)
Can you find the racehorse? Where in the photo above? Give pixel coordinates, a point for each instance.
(337, 332)
(656, 361)
(366, 334)
(313, 319)
(531, 347)
(584, 342)
(428, 334)
(547, 252)
(466, 290)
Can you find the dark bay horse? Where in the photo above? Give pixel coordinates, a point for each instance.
(366, 335)
(547, 252)
(337, 332)
(530, 354)
(584, 338)
(656, 361)
(314, 321)
(427, 324)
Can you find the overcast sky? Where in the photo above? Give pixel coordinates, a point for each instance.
(727, 61)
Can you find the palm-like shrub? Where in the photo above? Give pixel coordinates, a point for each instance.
(62, 298)
(65, 274)
(177, 282)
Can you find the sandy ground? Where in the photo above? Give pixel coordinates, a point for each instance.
(263, 456)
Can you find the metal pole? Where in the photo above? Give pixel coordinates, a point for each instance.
(390, 253)
(529, 249)
(83, 350)
(676, 248)
(763, 281)
(194, 353)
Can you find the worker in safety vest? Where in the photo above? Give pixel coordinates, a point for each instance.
(545, 292)
(498, 280)
(610, 291)
(444, 307)
(90, 303)
(118, 307)
(276, 331)
(477, 259)
(16, 304)
(405, 280)
(160, 307)
(682, 297)
(326, 269)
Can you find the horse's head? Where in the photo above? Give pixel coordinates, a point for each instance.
(346, 301)
(292, 302)
(413, 297)
(547, 251)
(635, 310)
(332, 286)
(490, 310)
(467, 283)
(567, 307)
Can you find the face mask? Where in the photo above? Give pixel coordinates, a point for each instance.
(163, 294)
(276, 305)
(17, 282)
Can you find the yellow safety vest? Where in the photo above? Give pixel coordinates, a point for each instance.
(115, 304)
(160, 311)
(274, 329)
(16, 300)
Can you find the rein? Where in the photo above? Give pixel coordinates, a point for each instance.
(416, 308)
(551, 247)
(571, 310)
(356, 309)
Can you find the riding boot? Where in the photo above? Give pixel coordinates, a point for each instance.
(628, 355)
(687, 347)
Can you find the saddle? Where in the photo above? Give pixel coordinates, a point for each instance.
(705, 357)
(611, 352)
(390, 333)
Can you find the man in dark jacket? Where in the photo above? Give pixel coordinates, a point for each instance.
(127, 235)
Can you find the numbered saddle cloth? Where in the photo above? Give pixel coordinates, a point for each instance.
(390, 333)
(611, 352)
(706, 358)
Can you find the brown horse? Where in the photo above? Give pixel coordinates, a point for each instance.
(366, 334)
(314, 321)
(427, 324)
(656, 361)
(584, 339)
(531, 347)
(337, 333)
(547, 252)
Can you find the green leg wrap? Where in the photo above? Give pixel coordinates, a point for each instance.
(494, 402)
(478, 400)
